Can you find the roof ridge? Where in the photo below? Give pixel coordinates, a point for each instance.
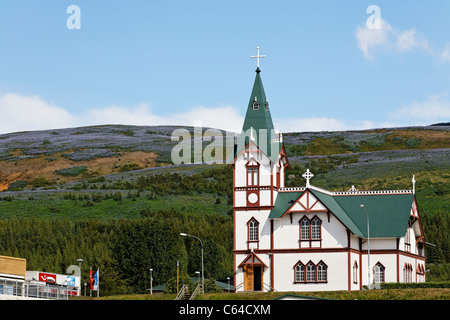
(348, 193)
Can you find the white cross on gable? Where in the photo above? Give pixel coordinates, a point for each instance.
(257, 57)
(307, 175)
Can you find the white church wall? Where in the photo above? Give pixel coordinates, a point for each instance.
(240, 174)
(241, 234)
(337, 275)
(380, 244)
(265, 175)
(239, 275)
(355, 277)
(334, 234)
(264, 198)
(389, 261)
(354, 242)
(286, 234)
(240, 198)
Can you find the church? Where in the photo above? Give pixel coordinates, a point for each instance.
(307, 238)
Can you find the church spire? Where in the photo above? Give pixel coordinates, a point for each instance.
(258, 119)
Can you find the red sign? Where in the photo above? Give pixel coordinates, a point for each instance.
(47, 277)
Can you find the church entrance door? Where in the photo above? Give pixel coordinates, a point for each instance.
(257, 278)
(253, 277)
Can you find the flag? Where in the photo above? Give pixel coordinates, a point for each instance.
(96, 276)
(91, 279)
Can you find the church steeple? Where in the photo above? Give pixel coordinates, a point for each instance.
(258, 120)
(258, 113)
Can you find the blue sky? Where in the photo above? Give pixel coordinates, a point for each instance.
(186, 62)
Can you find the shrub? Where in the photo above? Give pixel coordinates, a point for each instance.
(17, 185)
(39, 182)
(72, 171)
(413, 285)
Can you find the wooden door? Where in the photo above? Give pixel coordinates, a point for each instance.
(248, 277)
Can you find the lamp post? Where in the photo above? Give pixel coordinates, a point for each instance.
(151, 281)
(203, 275)
(79, 264)
(368, 248)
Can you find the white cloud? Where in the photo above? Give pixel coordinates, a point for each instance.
(389, 39)
(140, 115)
(309, 124)
(434, 109)
(226, 118)
(315, 124)
(28, 113)
(25, 113)
(370, 39)
(445, 53)
(410, 39)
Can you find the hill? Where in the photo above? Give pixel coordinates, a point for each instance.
(99, 192)
(57, 156)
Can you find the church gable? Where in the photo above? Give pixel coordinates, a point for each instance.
(307, 202)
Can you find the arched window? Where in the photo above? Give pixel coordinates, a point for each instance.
(321, 272)
(256, 104)
(253, 230)
(379, 273)
(310, 229)
(304, 226)
(300, 272)
(315, 228)
(310, 272)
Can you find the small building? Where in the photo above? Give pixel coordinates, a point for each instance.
(52, 285)
(18, 284)
(12, 276)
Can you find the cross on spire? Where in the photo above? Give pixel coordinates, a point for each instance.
(257, 57)
(307, 175)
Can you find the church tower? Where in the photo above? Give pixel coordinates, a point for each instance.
(258, 170)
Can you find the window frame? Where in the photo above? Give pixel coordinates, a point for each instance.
(251, 232)
(310, 272)
(253, 173)
(379, 273)
(310, 229)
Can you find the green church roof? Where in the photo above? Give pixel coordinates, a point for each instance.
(388, 213)
(258, 122)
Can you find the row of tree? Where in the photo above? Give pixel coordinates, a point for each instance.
(124, 250)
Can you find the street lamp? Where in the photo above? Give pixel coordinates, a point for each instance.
(79, 289)
(203, 275)
(151, 281)
(368, 248)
